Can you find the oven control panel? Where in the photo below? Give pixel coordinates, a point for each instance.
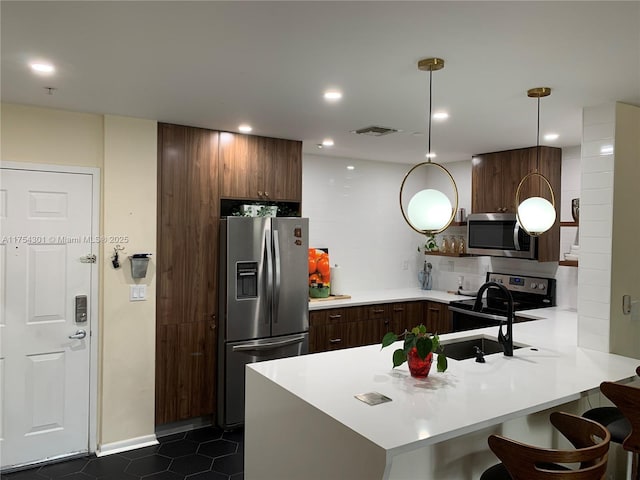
(521, 283)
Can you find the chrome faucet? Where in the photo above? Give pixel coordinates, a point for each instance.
(506, 340)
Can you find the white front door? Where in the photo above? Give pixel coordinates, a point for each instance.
(45, 233)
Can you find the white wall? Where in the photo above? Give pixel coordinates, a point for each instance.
(356, 214)
(625, 261)
(125, 151)
(128, 328)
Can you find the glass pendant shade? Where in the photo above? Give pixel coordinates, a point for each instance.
(429, 210)
(536, 215)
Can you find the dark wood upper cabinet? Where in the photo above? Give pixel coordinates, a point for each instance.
(494, 180)
(187, 259)
(260, 168)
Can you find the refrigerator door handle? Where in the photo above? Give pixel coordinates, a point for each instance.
(267, 345)
(276, 290)
(269, 289)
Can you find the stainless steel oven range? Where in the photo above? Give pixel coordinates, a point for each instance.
(528, 293)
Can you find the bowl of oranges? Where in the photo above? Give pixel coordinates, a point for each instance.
(319, 273)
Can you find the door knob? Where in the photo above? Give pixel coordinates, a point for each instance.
(79, 334)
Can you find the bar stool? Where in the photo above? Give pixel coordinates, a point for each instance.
(615, 421)
(526, 462)
(612, 418)
(627, 399)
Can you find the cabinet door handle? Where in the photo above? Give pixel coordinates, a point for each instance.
(335, 340)
(398, 309)
(378, 311)
(333, 317)
(266, 194)
(259, 193)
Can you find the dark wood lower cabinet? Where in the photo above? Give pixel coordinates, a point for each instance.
(438, 319)
(406, 315)
(188, 359)
(337, 328)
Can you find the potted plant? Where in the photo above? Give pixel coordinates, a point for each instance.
(418, 349)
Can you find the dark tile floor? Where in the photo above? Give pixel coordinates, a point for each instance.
(203, 454)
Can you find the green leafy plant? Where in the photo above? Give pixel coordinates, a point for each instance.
(430, 244)
(424, 343)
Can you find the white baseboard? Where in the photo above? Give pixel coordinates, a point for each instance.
(124, 445)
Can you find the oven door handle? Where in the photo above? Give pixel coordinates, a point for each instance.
(516, 236)
(488, 316)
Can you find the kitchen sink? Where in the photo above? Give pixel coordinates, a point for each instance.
(464, 348)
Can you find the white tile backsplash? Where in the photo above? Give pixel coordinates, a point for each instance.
(355, 214)
(597, 180)
(600, 114)
(593, 333)
(596, 261)
(601, 148)
(597, 164)
(596, 196)
(596, 293)
(597, 244)
(591, 276)
(599, 131)
(593, 308)
(595, 212)
(596, 228)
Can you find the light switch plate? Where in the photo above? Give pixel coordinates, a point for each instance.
(137, 293)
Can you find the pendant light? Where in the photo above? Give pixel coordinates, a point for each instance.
(429, 211)
(536, 214)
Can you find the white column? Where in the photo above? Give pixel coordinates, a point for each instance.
(609, 224)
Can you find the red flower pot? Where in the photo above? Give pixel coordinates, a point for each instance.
(418, 367)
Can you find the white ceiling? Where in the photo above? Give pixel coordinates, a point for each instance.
(217, 64)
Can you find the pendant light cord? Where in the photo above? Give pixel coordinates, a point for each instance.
(538, 139)
(429, 134)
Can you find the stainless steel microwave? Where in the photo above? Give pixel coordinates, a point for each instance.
(499, 235)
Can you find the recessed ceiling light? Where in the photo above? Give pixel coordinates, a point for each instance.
(350, 167)
(551, 136)
(440, 115)
(430, 155)
(319, 145)
(244, 128)
(332, 95)
(39, 67)
(327, 142)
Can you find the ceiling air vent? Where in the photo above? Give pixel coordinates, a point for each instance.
(375, 131)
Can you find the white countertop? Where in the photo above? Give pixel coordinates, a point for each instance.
(468, 397)
(387, 296)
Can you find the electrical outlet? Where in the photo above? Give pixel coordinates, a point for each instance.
(405, 265)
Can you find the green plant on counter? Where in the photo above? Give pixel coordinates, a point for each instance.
(424, 343)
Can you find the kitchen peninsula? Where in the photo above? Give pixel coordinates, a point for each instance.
(302, 420)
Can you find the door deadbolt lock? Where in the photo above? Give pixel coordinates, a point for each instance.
(81, 308)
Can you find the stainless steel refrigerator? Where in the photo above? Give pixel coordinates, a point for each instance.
(264, 301)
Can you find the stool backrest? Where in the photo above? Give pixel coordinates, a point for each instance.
(527, 462)
(627, 399)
